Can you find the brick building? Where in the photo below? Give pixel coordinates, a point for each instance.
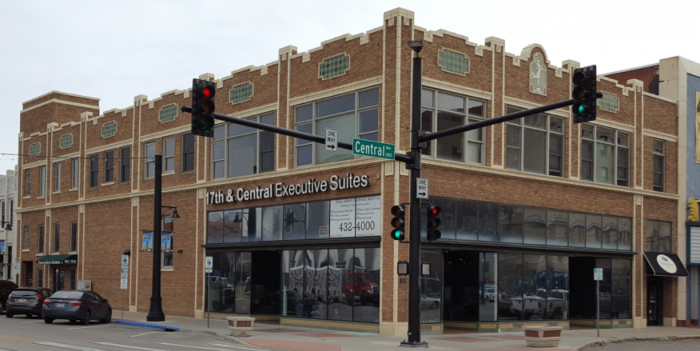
(8, 194)
(300, 234)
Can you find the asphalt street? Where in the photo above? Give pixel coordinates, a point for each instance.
(21, 333)
(655, 346)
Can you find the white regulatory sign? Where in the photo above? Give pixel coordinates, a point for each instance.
(422, 188)
(124, 284)
(125, 260)
(208, 270)
(331, 140)
(597, 274)
(209, 262)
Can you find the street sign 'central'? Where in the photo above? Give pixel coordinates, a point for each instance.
(372, 149)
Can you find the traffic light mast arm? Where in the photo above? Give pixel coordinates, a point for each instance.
(287, 132)
(496, 120)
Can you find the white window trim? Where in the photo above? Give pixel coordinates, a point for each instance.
(146, 160)
(166, 157)
(663, 166)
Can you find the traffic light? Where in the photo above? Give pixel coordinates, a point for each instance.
(203, 93)
(584, 94)
(433, 223)
(398, 222)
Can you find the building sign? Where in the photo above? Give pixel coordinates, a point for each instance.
(368, 215)
(312, 186)
(666, 263)
(342, 218)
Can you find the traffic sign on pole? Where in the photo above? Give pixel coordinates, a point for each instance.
(208, 264)
(422, 188)
(331, 140)
(372, 149)
(597, 274)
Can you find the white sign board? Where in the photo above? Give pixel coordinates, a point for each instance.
(16, 269)
(124, 284)
(368, 215)
(597, 274)
(125, 260)
(209, 262)
(125, 273)
(208, 270)
(422, 188)
(331, 140)
(342, 218)
(84, 285)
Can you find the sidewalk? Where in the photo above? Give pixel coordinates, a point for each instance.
(272, 336)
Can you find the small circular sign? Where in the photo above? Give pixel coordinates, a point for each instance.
(666, 263)
(17, 260)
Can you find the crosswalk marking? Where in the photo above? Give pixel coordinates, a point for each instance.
(239, 347)
(127, 346)
(192, 347)
(65, 346)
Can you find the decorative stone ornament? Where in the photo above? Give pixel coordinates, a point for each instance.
(66, 141)
(109, 129)
(609, 102)
(334, 66)
(34, 149)
(167, 113)
(538, 75)
(453, 62)
(241, 93)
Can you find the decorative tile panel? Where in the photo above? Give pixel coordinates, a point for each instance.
(66, 141)
(453, 62)
(240, 93)
(609, 102)
(34, 149)
(538, 75)
(167, 113)
(109, 129)
(334, 66)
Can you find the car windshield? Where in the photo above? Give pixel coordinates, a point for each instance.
(67, 295)
(489, 290)
(23, 293)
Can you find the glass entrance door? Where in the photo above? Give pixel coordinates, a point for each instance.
(654, 301)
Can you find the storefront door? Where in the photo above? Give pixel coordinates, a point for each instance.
(58, 279)
(655, 301)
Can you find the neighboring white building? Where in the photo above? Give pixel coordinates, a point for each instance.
(8, 238)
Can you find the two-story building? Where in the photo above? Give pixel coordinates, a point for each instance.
(301, 234)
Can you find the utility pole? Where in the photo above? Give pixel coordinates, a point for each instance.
(155, 314)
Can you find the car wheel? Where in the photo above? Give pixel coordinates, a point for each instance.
(48, 320)
(86, 318)
(108, 318)
(8, 315)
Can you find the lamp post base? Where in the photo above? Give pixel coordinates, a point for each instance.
(156, 311)
(420, 344)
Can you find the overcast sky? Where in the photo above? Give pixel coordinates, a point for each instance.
(115, 50)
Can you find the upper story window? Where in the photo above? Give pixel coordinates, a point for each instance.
(40, 241)
(56, 237)
(125, 164)
(93, 170)
(25, 241)
(42, 180)
(109, 166)
(659, 156)
(73, 236)
(444, 111)
(239, 150)
(27, 182)
(605, 155)
(169, 154)
(57, 176)
(74, 178)
(150, 155)
(536, 144)
(354, 115)
(659, 238)
(187, 152)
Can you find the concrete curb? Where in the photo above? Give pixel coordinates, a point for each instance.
(598, 344)
(218, 336)
(147, 325)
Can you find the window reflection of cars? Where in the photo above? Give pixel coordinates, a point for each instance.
(488, 292)
(364, 289)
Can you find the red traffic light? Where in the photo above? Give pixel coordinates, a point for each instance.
(435, 210)
(397, 210)
(208, 92)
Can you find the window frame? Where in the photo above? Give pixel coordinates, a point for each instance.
(616, 148)
(25, 241)
(168, 157)
(75, 168)
(149, 159)
(520, 124)
(660, 155)
(109, 166)
(226, 139)
(315, 119)
(42, 181)
(57, 176)
(56, 237)
(185, 136)
(27, 182)
(94, 171)
(125, 164)
(73, 236)
(469, 118)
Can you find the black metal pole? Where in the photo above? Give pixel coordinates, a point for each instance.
(414, 220)
(155, 314)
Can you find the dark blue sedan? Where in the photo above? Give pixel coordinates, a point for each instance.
(76, 305)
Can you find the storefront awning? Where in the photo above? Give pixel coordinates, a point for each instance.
(665, 264)
(58, 259)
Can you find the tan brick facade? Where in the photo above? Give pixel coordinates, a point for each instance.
(111, 216)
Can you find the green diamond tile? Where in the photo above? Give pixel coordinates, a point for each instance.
(334, 66)
(109, 129)
(609, 102)
(34, 149)
(453, 62)
(168, 113)
(241, 93)
(66, 141)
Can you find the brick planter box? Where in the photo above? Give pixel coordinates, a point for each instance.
(240, 326)
(542, 336)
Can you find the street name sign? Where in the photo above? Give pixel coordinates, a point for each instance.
(597, 274)
(331, 140)
(372, 149)
(422, 188)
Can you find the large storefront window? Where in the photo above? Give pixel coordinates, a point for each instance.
(334, 284)
(615, 288)
(431, 288)
(483, 221)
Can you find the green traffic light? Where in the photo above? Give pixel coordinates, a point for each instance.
(581, 109)
(396, 234)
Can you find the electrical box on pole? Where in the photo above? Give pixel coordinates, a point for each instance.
(398, 222)
(584, 94)
(203, 93)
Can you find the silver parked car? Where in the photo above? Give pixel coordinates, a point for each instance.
(76, 305)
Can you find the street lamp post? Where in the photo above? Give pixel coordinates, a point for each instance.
(155, 314)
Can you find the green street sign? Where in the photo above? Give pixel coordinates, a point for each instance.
(372, 149)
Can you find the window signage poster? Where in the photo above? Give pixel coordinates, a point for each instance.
(368, 216)
(166, 242)
(343, 218)
(2, 247)
(147, 242)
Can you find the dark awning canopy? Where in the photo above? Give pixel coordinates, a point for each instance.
(58, 259)
(665, 264)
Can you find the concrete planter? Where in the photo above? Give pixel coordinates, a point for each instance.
(240, 326)
(542, 336)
